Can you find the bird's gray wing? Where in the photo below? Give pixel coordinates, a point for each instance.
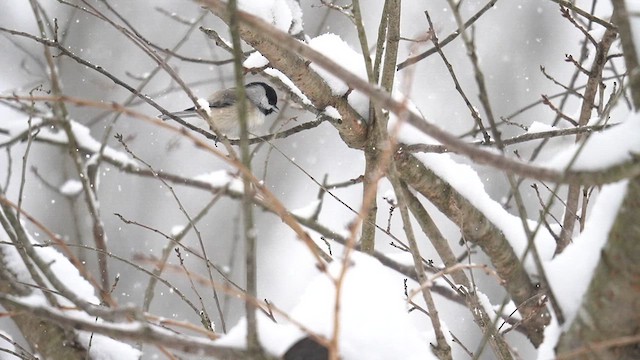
(219, 99)
(222, 98)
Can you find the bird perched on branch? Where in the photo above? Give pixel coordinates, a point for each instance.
(222, 111)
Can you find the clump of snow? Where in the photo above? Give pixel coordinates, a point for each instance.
(604, 149)
(255, 61)
(106, 348)
(71, 187)
(297, 24)
(552, 332)
(84, 140)
(349, 59)
(390, 197)
(570, 272)
(285, 15)
(286, 81)
(465, 180)
(59, 265)
(204, 104)
(307, 211)
(102, 347)
(176, 230)
(374, 322)
(537, 127)
(360, 103)
(342, 54)
(509, 311)
(220, 179)
(332, 112)
(486, 304)
(275, 338)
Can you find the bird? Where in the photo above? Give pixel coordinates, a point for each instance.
(262, 98)
(307, 349)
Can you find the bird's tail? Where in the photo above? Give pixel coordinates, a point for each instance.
(181, 114)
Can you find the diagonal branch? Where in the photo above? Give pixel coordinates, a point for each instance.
(477, 228)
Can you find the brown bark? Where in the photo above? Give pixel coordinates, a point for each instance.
(611, 308)
(52, 340)
(479, 230)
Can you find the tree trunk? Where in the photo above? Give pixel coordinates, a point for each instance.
(609, 318)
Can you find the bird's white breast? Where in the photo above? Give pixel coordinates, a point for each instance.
(226, 119)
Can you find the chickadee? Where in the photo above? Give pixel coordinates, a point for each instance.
(222, 108)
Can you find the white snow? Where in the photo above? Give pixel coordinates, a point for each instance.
(552, 333)
(486, 304)
(332, 112)
(86, 141)
(283, 14)
(255, 61)
(341, 53)
(570, 272)
(204, 104)
(604, 149)
(71, 187)
(102, 347)
(374, 322)
(308, 210)
(59, 265)
(466, 181)
(106, 348)
(390, 196)
(332, 45)
(297, 24)
(286, 81)
(538, 127)
(220, 179)
(276, 338)
(176, 230)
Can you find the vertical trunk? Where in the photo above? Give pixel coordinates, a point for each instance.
(610, 313)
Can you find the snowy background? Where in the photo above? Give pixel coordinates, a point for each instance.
(514, 39)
